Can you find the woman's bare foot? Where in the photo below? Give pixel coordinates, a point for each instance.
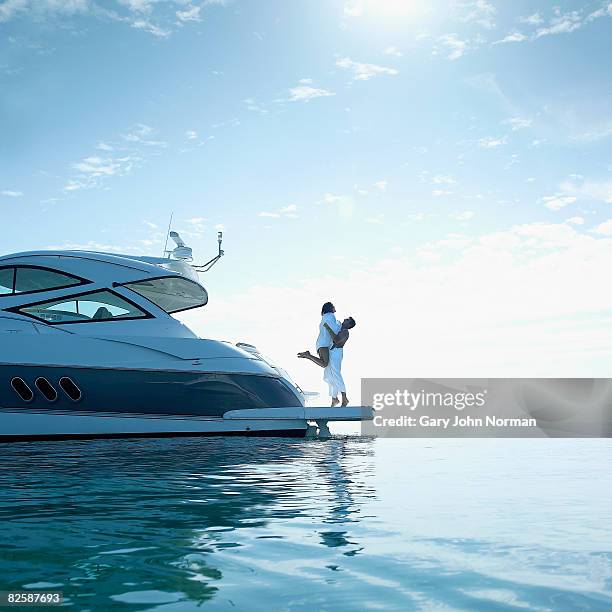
(335, 401)
(304, 354)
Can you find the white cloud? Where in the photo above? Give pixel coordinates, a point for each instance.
(441, 192)
(157, 17)
(196, 228)
(443, 179)
(591, 190)
(100, 247)
(563, 24)
(394, 51)
(382, 185)
(290, 210)
(10, 8)
(575, 221)
(595, 132)
(558, 201)
(153, 16)
(191, 135)
(534, 19)
(286, 211)
(465, 215)
(604, 228)
(329, 198)
(354, 8)
(512, 37)
(138, 6)
(117, 159)
(191, 13)
(100, 166)
(514, 159)
(11, 194)
(480, 12)
(518, 123)
(72, 185)
(40, 8)
(305, 93)
(343, 203)
(140, 134)
(255, 106)
(147, 26)
(364, 72)
(455, 46)
(492, 143)
(603, 11)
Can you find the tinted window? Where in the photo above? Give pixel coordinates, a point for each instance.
(37, 279)
(6, 280)
(92, 307)
(171, 294)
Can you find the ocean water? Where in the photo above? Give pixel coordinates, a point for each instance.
(344, 524)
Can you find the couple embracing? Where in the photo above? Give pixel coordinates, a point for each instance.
(333, 335)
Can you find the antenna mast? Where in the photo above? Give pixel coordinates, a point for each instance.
(167, 236)
(209, 264)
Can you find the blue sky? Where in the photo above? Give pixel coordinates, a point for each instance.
(327, 138)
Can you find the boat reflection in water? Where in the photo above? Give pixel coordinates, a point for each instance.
(150, 522)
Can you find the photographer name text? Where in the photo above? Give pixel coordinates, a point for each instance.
(448, 422)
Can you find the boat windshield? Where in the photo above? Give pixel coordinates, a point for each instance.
(171, 293)
(94, 306)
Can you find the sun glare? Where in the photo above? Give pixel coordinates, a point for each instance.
(383, 9)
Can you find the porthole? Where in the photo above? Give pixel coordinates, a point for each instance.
(70, 388)
(46, 388)
(21, 388)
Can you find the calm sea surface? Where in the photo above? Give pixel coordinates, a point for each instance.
(344, 524)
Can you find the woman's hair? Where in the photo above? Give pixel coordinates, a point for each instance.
(327, 307)
(351, 322)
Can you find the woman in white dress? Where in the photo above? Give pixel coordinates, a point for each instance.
(332, 374)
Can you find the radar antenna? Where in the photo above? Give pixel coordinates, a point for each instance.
(181, 252)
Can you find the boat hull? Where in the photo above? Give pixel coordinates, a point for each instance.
(27, 425)
(119, 402)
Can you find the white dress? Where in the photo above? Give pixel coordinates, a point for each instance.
(332, 374)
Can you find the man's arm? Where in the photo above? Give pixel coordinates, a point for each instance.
(335, 336)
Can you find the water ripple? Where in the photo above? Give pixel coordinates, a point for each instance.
(265, 524)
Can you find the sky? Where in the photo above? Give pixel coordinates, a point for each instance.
(441, 170)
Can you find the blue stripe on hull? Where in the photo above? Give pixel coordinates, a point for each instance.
(147, 391)
(279, 433)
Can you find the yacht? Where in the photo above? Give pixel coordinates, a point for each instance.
(89, 348)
